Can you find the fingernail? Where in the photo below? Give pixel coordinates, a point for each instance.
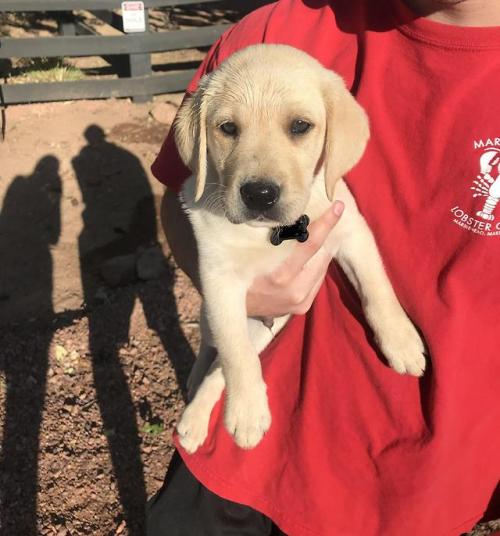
(338, 208)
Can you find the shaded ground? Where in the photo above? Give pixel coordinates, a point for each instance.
(90, 374)
(100, 452)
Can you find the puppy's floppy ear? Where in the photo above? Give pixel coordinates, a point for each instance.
(347, 131)
(190, 129)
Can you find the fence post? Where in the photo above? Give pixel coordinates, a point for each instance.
(66, 23)
(140, 65)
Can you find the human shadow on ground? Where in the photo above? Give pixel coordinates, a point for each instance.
(29, 226)
(119, 221)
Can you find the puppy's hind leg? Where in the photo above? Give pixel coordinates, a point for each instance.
(193, 426)
(206, 357)
(205, 385)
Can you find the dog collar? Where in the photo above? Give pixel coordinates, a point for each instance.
(297, 231)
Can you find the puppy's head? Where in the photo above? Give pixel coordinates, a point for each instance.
(263, 126)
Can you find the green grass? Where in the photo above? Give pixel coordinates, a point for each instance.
(153, 429)
(38, 70)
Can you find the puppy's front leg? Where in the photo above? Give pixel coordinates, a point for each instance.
(394, 332)
(193, 426)
(247, 416)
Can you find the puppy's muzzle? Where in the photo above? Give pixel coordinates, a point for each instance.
(260, 195)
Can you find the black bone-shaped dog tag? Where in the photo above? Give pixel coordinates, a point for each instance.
(297, 231)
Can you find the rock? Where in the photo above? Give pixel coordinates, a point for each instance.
(120, 528)
(61, 352)
(150, 264)
(163, 112)
(119, 270)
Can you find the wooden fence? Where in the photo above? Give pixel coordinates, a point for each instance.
(74, 41)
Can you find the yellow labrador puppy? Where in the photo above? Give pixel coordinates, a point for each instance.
(268, 137)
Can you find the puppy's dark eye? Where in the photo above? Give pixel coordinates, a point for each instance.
(299, 126)
(229, 128)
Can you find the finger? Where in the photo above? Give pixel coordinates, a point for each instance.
(318, 233)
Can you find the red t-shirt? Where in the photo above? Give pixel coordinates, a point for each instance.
(354, 448)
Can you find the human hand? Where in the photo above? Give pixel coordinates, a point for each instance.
(292, 287)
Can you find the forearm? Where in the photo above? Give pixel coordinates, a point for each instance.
(180, 237)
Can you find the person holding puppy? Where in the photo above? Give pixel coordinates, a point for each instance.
(355, 448)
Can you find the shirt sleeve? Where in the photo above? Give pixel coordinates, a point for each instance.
(168, 167)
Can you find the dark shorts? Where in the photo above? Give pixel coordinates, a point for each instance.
(184, 507)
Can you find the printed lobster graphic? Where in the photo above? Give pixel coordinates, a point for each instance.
(486, 185)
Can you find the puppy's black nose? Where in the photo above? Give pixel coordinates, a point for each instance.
(260, 195)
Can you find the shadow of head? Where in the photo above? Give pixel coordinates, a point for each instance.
(94, 134)
(48, 165)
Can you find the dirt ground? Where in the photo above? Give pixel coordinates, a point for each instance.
(90, 374)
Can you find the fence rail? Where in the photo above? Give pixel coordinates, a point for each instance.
(136, 47)
(87, 45)
(70, 5)
(137, 86)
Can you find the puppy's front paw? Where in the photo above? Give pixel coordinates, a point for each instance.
(247, 416)
(403, 347)
(193, 427)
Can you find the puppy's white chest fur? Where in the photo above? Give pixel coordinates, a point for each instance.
(245, 250)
